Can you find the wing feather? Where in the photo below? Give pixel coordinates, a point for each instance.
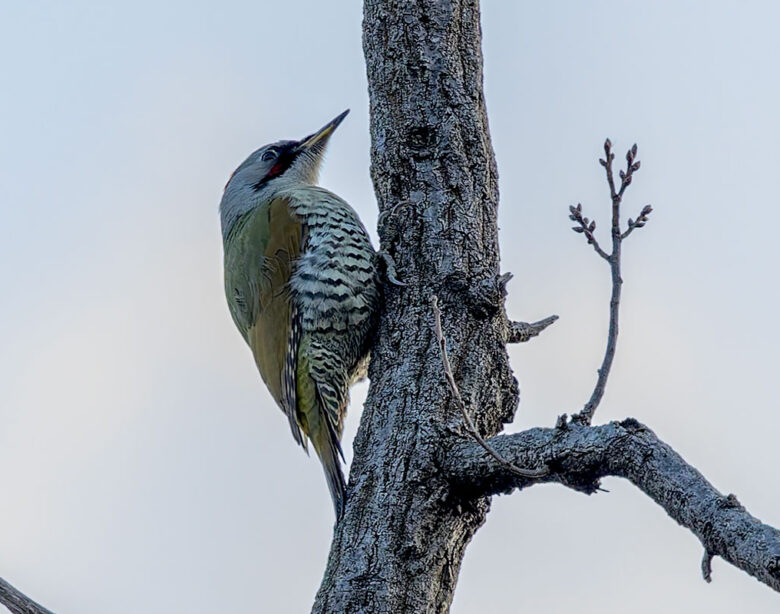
(333, 409)
(258, 268)
(290, 377)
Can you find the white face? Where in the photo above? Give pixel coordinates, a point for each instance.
(257, 168)
(265, 172)
(270, 169)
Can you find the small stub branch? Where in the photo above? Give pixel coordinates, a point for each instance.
(706, 565)
(587, 227)
(520, 332)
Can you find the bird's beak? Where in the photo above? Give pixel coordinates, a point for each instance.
(319, 139)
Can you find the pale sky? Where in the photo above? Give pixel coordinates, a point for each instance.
(144, 466)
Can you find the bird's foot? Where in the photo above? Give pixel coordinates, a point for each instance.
(390, 213)
(390, 271)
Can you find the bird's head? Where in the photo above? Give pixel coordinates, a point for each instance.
(273, 168)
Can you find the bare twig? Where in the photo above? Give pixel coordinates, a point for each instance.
(17, 602)
(586, 227)
(520, 332)
(639, 222)
(524, 473)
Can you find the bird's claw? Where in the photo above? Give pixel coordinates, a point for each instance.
(390, 271)
(390, 213)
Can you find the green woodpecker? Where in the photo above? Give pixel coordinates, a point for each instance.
(301, 284)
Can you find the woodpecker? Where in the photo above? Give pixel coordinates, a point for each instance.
(301, 285)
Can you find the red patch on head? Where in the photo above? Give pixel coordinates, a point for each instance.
(276, 169)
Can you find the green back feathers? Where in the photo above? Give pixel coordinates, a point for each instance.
(259, 257)
(300, 279)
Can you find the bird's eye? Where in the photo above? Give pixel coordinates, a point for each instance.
(269, 155)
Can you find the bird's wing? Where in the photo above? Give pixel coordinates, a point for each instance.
(257, 274)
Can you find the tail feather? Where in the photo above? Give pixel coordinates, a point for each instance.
(321, 411)
(329, 457)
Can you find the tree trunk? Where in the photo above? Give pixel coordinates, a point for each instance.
(420, 483)
(401, 541)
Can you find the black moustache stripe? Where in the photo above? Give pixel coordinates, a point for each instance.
(286, 157)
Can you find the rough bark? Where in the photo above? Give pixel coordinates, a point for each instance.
(419, 486)
(17, 602)
(578, 456)
(400, 543)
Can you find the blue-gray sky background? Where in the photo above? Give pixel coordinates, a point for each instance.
(144, 466)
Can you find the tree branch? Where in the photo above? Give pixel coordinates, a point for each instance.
(578, 456)
(17, 602)
(520, 332)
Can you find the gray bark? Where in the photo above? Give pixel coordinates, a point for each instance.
(400, 543)
(17, 602)
(578, 456)
(419, 486)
